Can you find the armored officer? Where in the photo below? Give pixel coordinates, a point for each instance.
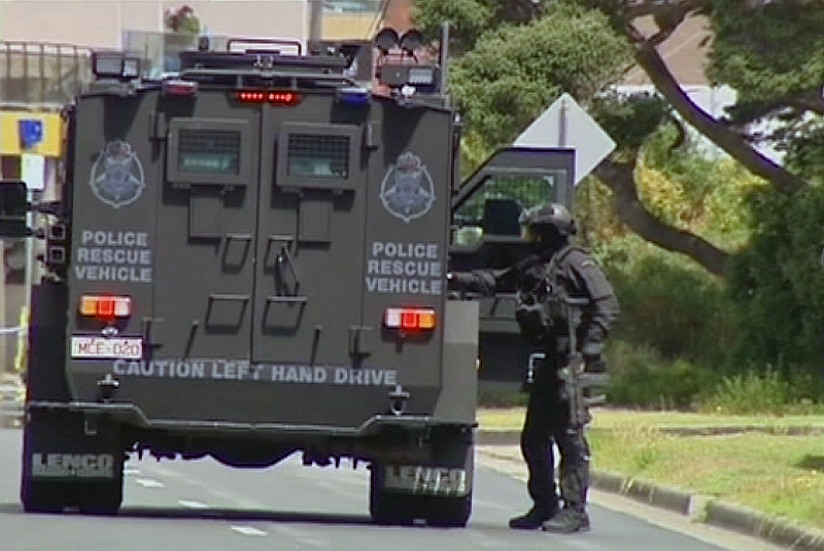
(545, 281)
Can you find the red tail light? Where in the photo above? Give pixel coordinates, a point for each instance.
(410, 319)
(105, 306)
(273, 97)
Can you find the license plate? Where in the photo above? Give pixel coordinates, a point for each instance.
(427, 480)
(100, 347)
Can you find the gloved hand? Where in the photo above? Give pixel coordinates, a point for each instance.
(458, 280)
(593, 361)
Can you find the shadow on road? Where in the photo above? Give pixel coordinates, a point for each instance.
(249, 515)
(235, 515)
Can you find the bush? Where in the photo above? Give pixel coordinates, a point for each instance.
(767, 393)
(641, 377)
(777, 285)
(667, 303)
(501, 398)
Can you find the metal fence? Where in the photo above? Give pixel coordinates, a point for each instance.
(42, 74)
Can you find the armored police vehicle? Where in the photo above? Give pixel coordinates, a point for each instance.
(248, 261)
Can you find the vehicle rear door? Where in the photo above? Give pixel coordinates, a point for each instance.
(310, 232)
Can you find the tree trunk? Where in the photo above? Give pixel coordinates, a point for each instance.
(650, 61)
(620, 178)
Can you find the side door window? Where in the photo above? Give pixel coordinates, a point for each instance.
(495, 207)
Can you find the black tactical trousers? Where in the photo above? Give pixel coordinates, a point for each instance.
(547, 423)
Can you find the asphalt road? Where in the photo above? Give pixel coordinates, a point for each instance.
(203, 506)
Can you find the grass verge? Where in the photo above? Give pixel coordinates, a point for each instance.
(778, 474)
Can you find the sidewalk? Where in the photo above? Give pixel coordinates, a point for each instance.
(503, 445)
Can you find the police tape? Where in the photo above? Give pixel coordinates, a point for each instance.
(11, 330)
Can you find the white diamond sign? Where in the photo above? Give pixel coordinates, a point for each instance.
(565, 124)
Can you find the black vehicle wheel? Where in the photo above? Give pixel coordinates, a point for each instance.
(449, 512)
(396, 509)
(103, 498)
(43, 497)
(60, 465)
(388, 508)
(91, 498)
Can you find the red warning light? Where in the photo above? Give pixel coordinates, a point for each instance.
(272, 97)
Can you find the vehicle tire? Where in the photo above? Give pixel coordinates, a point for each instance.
(49, 432)
(390, 507)
(91, 498)
(386, 507)
(450, 512)
(42, 497)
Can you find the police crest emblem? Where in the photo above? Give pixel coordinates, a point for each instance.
(407, 191)
(117, 175)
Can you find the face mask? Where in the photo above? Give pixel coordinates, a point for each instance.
(549, 244)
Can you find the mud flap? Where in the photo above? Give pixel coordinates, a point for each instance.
(71, 461)
(439, 493)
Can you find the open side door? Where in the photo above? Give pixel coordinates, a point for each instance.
(486, 234)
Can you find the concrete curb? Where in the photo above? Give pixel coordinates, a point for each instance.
(698, 508)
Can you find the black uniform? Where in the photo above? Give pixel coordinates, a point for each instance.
(572, 272)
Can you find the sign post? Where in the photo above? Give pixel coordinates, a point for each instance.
(565, 124)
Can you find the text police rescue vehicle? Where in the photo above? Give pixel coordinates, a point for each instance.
(249, 260)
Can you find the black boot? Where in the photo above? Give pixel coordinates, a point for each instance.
(532, 520)
(567, 521)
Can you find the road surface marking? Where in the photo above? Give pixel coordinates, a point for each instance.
(192, 504)
(149, 483)
(248, 531)
(301, 536)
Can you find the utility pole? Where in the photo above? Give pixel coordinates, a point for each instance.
(315, 23)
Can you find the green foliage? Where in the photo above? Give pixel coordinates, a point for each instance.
(767, 393)
(687, 188)
(777, 283)
(514, 73)
(772, 54)
(502, 398)
(641, 377)
(804, 147)
(469, 19)
(768, 50)
(667, 302)
(629, 120)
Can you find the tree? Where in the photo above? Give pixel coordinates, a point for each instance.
(772, 53)
(744, 31)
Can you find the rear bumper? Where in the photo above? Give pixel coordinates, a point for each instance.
(129, 414)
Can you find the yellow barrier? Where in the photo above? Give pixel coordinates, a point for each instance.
(10, 133)
(21, 358)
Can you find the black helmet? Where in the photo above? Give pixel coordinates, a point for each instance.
(554, 215)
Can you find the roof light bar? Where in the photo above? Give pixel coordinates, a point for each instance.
(273, 97)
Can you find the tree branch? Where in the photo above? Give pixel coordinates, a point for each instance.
(640, 8)
(650, 61)
(620, 178)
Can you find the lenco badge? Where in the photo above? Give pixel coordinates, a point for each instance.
(117, 175)
(407, 191)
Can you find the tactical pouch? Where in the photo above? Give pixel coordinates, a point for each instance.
(533, 317)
